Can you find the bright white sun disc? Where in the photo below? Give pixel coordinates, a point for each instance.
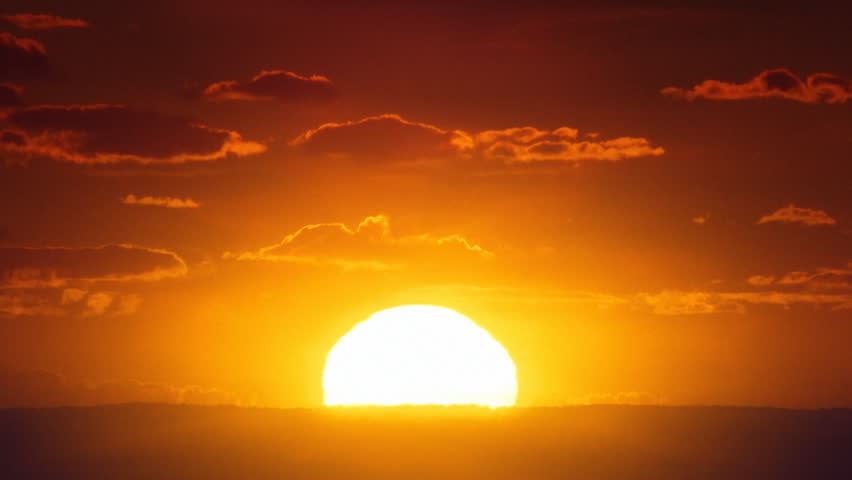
(419, 355)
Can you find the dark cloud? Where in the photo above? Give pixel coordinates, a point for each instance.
(49, 302)
(280, 85)
(24, 54)
(386, 138)
(778, 83)
(11, 95)
(33, 21)
(40, 267)
(390, 138)
(99, 134)
(30, 302)
(56, 281)
(12, 139)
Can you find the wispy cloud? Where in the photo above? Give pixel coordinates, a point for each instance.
(11, 95)
(40, 267)
(391, 138)
(85, 281)
(793, 214)
(167, 202)
(820, 279)
(777, 83)
(680, 302)
(21, 54)
(34, 21)
(279, 85)
(371, 245)
(40, 388)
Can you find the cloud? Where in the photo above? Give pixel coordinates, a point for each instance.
(623, 398)
(104, 134)
(45, 302)
(24, 54)
(517, 295)
(389, 138)
(31, 21)
(701, 220)
(73, 295)
(529, 144)
(371, 245)
(386, 138)
(53, 267)
(167, 202)
(279, 85)
(824, 286)
(786, 299)
(98, 303)
(794, 214)
(679, 302)
(28, 303)
(778, 83)
(761, 280)
(11, 95)
(821, 279)
(40, 388)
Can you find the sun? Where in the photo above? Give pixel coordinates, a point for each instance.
(419, 355)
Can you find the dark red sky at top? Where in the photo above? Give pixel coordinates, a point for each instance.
(646, 203)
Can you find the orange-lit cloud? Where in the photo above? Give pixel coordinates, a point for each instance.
(778, 83)
(39, 388)
(386, 138)
(103, 302)
(54, 281)
(280, 85)
(680, 302)
(72, 295)
(371, 245)
(21, 53)
(827, 286)
(51, 267)
(529, 144)
(518, 295)
(167, 202)
(47, 302)
(104, 134)
(390, 138)
(824, 278)
(667, 301)
(761, 280)
(28, 303)
(794, 214)
(11, 95)
(32, 21)
(786, 299)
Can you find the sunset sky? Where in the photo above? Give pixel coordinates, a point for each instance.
(641, 204)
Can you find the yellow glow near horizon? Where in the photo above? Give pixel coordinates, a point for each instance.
(419, 355)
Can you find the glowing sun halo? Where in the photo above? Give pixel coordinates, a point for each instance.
(419, 355)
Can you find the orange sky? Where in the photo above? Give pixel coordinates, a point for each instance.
(642, 204)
